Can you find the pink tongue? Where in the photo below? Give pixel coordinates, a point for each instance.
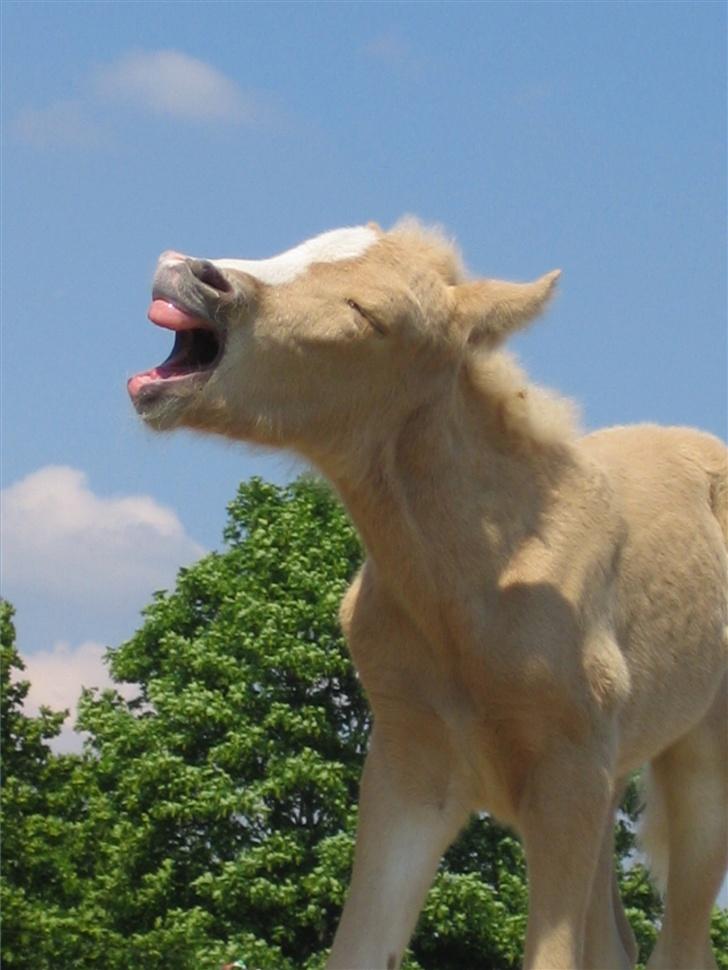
(168, 315)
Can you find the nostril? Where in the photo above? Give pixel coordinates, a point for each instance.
(207, 273)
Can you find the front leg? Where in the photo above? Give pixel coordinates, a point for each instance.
(563, 818)
(609, 941)
(407, 818)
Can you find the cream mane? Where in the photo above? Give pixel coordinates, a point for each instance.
(516, 406)
(522, 409)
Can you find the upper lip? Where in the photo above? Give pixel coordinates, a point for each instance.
(174, 315)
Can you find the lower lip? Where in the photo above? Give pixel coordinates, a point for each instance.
(157, 375)
(135, 384)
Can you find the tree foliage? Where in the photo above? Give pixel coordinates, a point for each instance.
(211, 817)
(43, 862)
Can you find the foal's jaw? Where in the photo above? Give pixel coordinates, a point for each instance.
(197, 302)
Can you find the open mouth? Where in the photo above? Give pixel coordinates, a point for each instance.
(197, 348)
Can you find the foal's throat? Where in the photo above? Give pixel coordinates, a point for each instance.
(442, 527)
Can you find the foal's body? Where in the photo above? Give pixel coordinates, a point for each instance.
(468, 716)
(539, 614)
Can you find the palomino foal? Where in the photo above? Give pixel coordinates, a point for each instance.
(540, 614)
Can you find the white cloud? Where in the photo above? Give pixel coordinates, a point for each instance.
(174, 84)
(64, 124)
(61, 540)
(56, 677)
(165, 83)
(81, 559)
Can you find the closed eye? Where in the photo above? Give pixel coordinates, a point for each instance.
(366, 315)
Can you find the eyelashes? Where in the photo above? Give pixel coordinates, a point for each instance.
(366, 315)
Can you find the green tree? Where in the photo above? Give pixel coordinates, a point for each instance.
(211, 818)
(240, 756)
(42, 856)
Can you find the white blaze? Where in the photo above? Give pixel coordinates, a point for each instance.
(330, 247)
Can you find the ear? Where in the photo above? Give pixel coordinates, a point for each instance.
(488, 311)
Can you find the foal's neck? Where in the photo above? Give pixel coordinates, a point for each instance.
(443, 500)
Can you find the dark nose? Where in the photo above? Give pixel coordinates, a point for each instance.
(207, 273)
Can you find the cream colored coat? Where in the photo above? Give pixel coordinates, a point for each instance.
(540, 614)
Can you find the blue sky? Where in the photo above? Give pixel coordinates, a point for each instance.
(589, 136)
